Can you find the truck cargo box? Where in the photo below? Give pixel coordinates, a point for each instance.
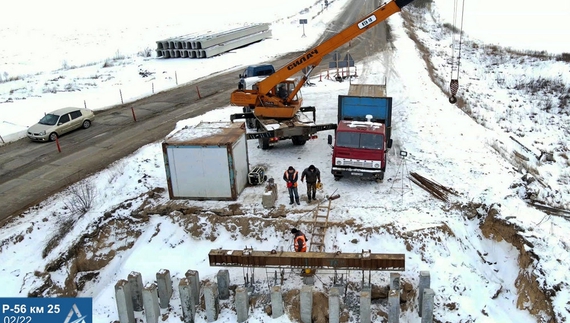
(206, 162)
(356, 108)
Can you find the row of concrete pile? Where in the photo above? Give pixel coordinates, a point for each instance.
(132, 295)
(208, 45)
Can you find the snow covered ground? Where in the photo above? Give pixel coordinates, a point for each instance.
(492, 257)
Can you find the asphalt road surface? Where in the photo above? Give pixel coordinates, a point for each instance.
(30, 172)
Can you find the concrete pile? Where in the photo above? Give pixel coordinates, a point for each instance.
(132, 296)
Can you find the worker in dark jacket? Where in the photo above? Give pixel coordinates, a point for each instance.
(300, 241)
(313, 176)
(290, 177)
(282, 92)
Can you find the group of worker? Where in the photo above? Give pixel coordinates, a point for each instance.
(313, 177)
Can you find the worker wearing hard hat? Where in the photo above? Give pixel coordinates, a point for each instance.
(313, 176)
(300, 240)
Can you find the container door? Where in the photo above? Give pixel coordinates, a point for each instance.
(199, 172)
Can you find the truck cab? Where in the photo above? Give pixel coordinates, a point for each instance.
(362, 137)
(257, 70)
(359, 149)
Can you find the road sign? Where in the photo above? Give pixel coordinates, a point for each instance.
(46, 310)
(303, 22)
(338, 62)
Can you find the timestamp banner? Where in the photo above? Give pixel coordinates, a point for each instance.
(46, 310)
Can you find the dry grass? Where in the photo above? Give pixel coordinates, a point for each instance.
(116, 171)
(63, 228)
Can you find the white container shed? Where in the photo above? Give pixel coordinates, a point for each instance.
(206, 162)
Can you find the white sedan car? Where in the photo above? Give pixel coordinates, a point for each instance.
(58, 122)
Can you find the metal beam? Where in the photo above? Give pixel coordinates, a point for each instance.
(315, 260)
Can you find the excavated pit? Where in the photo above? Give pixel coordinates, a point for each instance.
(126, 230)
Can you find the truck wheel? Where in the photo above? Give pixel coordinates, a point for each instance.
(337, 177)
(264, 143)
(379, 178)
(298, 140)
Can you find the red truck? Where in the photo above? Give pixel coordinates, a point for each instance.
(363, 134)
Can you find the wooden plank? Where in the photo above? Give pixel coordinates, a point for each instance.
(370, 90)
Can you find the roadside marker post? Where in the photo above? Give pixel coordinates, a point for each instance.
(57, 144)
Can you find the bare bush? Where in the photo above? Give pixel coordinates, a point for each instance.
(81, 197)
(564, 100)
(71, 87)
(452, 28)
(540, 54)
(564, 57)
(63, 228)
(108, 63)
(146, 52)
(535, 85)
(547, 104)
(49, 88)
(5, 77)
(119, 56)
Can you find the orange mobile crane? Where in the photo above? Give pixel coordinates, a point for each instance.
(272, 104)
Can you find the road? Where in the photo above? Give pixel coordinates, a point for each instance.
(30, 172)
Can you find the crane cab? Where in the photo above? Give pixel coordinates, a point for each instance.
(276, 104)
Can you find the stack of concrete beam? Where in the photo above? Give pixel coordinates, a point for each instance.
(203, 46)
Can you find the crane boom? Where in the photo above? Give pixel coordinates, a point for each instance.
(263, 98)
(314, 56)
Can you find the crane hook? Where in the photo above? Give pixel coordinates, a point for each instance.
(453, 86)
